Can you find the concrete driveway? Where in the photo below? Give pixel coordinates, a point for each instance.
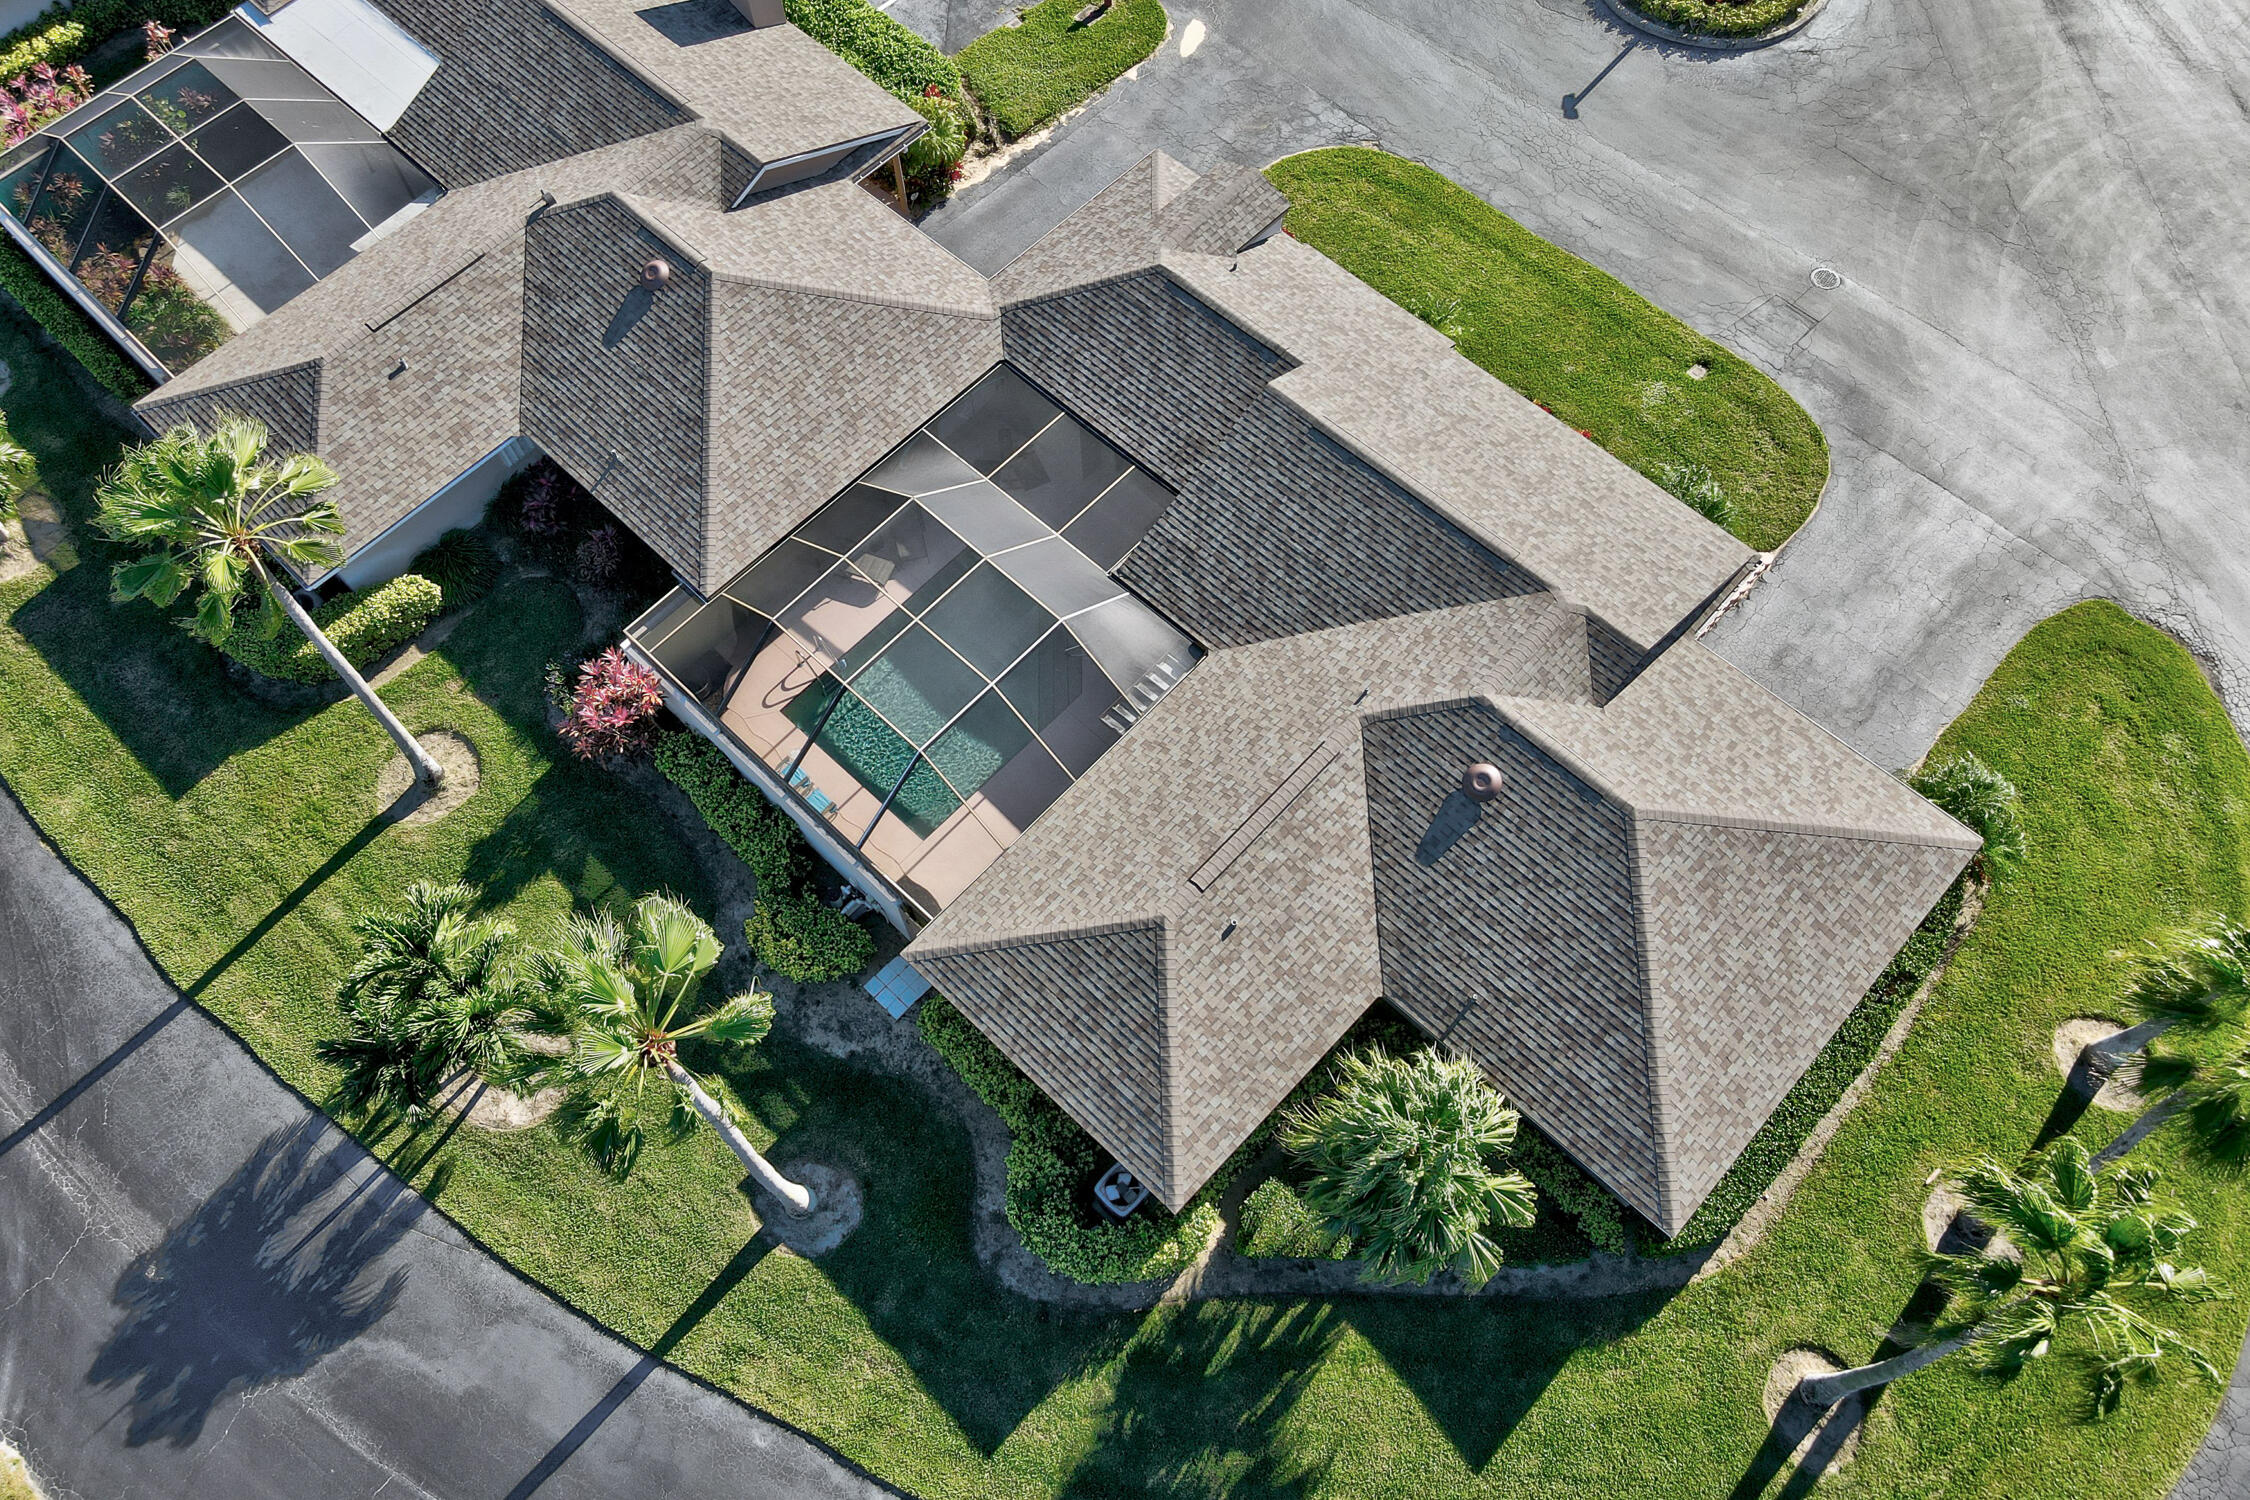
(2031, 376)
(207, 1291)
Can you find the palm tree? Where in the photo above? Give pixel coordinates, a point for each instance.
(1401, 1156)
(2195, 979)
(1982, 800)
(211, 512)
(2075, 1249)
(433, 993)
(2212, 1099)
(631, 992)
(19, 475)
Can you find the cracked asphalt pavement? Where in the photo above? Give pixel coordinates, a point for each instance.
(206, 1290)
(2031, 374)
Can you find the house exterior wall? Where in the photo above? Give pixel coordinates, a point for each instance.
(460, 503)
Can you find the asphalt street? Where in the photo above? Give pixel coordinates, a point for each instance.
(2030, 374)
(207, 1291)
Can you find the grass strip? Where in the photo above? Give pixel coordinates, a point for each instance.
(1566, 334)
(1050, 63)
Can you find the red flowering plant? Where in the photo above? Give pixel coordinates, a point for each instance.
(30, 100)
(156, 39)
(612, 711)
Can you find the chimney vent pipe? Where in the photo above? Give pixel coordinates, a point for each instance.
(656, 274)
(1482, 782)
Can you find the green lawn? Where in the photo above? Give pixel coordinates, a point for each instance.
(1032, 73)
(239, 839)
(1572, 337)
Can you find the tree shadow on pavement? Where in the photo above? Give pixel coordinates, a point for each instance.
(260, 1283)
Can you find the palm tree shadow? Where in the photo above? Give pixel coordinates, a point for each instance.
(164, 695)
(257, 1285)
(730, 1276)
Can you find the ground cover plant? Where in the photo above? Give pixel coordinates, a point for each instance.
(1031, 73)
(241, 839)
(1567, 335)
(1721, 18)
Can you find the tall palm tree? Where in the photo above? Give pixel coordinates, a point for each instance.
(434, 992)
(2194, 979)
(2075, 1250)
(1402, 1160)
(213, 513)
(632, 992)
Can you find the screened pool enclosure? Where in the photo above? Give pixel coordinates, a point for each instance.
(203, 191)
(934, 657)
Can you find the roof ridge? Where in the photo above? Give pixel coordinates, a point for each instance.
(1045, 935)
(908, 304)
(1167, 1057)
(1656, 1089)
(1851, 832)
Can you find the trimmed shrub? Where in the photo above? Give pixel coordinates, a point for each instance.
(1844, 1058)
(23, 280)
(1051, 1167)
(1720, 17)
(1601, 1218)
(612, 711)
(1048, 64)
(362, 627)
(885, 50)
(61, 34)
(1276, 1222)
(801, 937)
(462, 563)
(738, 812)
(57, 46)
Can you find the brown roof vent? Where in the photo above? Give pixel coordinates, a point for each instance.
(655, 274)
(1481, 782)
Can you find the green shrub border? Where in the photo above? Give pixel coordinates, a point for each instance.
(886, 50)
(63, 34)
(790, 930)
(362, 626)
(1048, 1159)
(1845, 1057)
(1715, 18)
(28, 283)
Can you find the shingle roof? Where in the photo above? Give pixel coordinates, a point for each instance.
(1644, 940)
(798, 337)
(1396, 394)
(772, 91)
(516, 87)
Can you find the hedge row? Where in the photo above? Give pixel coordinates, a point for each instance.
(23, 280)
(362, 626)
(1845, 1057)
(1050, 1164)
(1720, 17)
(885, 50)
(792, 931)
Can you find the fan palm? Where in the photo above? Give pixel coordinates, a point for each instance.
(2211, 1099)
(2194, 980)
(632, 992)
(433, 993)
(1402, 1155)
(212, 513)
(1980, 798)
(2076, 1250)
(19, 475)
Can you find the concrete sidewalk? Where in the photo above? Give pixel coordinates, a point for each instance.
(207, 1290)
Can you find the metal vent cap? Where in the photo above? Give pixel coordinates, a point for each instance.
(1482, 782)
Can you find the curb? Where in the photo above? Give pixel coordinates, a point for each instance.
(1622, 12)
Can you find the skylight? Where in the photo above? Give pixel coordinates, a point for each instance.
(205, 190)
(937, 654)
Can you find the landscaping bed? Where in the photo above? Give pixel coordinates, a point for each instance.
(1730, 19)
(1565, 334)
(241, 839)
(1032, 73)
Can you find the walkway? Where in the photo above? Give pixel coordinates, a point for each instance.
(2031, 375)
(206, 1290)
